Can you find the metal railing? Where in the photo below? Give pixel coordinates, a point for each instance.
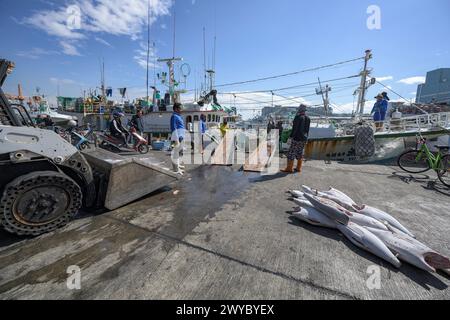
(419, 122)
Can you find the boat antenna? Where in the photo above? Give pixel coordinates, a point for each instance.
(204, 54)
(148, 46)
(174, 27)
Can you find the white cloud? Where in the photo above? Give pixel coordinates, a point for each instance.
(387, 78)
(55, 23)
(69, 48)
(412, 80)
(413, 93)
(141, 56)
(115, 17)
(104, 42)
(62, 81)
(36, 53)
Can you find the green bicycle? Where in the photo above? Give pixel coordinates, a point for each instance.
(422, 159)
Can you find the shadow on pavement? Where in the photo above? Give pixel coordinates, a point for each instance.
(427, 182)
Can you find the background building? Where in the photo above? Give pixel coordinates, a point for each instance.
(436, 89)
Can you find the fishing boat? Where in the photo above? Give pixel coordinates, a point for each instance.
(333, 138)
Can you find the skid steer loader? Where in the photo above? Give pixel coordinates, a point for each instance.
(45, 181)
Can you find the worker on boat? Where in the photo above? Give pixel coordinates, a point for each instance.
(178, 131)
(223, 129)
(116, 128)
(299, 139)
(270, 126)
(279, 127)
(379, 111)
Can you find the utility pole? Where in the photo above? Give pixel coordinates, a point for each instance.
(364, 86)
(324, 93)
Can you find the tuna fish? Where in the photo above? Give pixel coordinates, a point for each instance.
(383, 216)
(314, 217)
(364, 239)
(412, 251)
(365, 221)
(296, 193)
(339, 198)
(330, 208)
(302, 202)
(341, 195)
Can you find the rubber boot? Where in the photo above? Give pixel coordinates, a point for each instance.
(299, 165)
(289, 167)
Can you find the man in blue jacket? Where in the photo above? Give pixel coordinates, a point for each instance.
(178, 131)
(379, 111)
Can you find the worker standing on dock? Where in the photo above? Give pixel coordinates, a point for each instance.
(379, 111)
(178, 131)
(299, 139)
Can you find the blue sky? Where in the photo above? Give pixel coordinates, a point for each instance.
(255, 38)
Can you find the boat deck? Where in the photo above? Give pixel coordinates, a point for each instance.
(220, 233)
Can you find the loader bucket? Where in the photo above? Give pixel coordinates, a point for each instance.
(128, 179)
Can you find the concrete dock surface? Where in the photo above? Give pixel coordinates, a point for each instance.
(220, 233)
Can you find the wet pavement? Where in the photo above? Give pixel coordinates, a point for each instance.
(220, 233)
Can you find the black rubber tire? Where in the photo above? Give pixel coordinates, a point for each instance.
(402, 160)
(444, 173)
(39, 202)
(143, 149)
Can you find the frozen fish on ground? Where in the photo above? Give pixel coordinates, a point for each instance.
(341, 195)
(346, 202)
(365, 221)
(412, 251)
(314, 217)
(340, 199)
(296, 193)
(383, 216)
(368, 241)
(302, 202)
(330, 208)
(357, 218)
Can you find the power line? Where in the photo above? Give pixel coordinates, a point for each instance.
(392, 91)
(289, 74)
(292, 87)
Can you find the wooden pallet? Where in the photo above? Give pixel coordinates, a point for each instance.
(224, 154)
(259, 159)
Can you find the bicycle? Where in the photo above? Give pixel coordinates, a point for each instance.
(421, 160)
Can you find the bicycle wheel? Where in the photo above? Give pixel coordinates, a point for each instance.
(414, 161)
(444, 171)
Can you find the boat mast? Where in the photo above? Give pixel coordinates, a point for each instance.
(363, 86)
(148, 48)
(171, 63)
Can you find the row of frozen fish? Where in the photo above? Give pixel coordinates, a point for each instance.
(368, 228)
